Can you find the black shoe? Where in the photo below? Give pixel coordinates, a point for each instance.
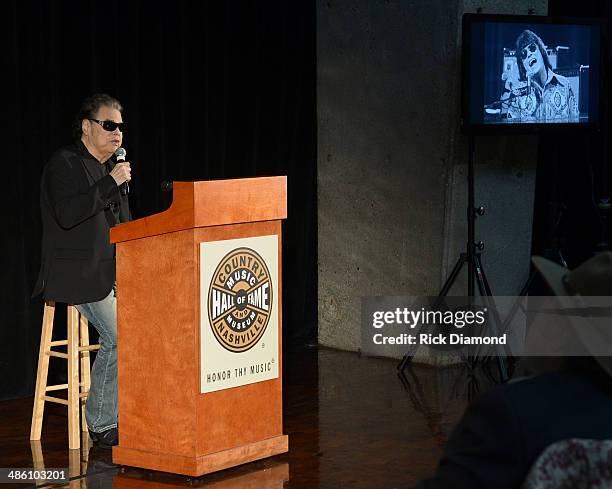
(105, 439)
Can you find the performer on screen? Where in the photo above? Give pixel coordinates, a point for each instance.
(83, 195)
(536, 93)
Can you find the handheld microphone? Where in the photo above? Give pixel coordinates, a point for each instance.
(528, 84)
(121, 153)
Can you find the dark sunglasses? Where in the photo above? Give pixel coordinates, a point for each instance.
(532, 47)
(110, 125)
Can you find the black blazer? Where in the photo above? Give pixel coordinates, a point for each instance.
(504, 431)
(79, 203)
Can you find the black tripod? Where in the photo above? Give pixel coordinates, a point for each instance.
(476, 274)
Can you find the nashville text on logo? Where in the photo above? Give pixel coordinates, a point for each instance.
(240, 300)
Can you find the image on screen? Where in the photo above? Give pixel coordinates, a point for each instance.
(533, 73)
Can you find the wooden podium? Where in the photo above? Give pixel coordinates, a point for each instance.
(165, 422)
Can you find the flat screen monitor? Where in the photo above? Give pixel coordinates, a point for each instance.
(530, 72)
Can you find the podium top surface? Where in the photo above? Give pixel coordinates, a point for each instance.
(212, 203)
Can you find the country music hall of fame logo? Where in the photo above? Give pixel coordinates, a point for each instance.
(240, 300)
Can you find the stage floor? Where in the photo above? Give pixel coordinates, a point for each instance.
(352, 423)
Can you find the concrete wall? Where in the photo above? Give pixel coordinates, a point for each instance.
(391, 161)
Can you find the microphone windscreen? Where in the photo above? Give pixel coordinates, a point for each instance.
(121, 154)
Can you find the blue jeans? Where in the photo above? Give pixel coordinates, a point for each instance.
(101, 406)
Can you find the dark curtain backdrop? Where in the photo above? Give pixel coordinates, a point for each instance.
(211, 89)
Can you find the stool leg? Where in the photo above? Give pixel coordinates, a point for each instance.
(42, 371)
(85, 368)
(74, 440)
(74, 468)
(38, 460)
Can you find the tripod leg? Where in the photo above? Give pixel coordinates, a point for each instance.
(483, 283)
(517, 303)
(527, 285)
(453, 275)
(463, 258)
(485, 292)
(498, 321)
(407, 358)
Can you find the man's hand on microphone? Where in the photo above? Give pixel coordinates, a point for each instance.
(122, 172)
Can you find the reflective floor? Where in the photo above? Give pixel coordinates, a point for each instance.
(352, 423)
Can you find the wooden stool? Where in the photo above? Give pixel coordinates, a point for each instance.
(78, 349)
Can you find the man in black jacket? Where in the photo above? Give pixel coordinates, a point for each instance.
(82, 195)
